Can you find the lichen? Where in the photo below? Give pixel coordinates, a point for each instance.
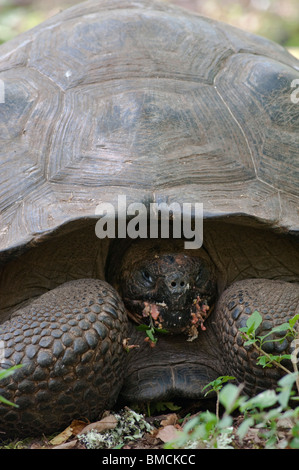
(131, 426)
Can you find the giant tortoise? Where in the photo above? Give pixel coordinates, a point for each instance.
(159, 106)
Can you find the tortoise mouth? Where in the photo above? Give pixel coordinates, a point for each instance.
(174, 368)
(175, 319)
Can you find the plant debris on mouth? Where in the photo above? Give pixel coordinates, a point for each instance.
(197, 318)
(150, 331)
(151, 309)
(199, 313)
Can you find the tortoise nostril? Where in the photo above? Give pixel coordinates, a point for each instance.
(177, 285)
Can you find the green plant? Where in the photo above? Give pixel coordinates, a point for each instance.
(216, 386)
(4, 374)
(268, 420)
(161, 406)
(259, 411)
(206, 429)
(150, 331)
(152, 408)
(249, 333)
(209, 430)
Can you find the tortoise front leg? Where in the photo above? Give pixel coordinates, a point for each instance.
(277, 302)
(70, 341)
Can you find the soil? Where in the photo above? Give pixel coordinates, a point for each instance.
(164, 428)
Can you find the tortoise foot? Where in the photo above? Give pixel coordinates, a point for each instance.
(70, 344)
(277, 302)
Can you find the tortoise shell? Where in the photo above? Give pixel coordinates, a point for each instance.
(149, 101)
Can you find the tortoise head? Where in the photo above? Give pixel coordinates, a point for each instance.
(162, 283)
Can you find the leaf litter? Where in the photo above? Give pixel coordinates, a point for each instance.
(128, 429)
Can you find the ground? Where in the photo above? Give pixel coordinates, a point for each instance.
(164, 427)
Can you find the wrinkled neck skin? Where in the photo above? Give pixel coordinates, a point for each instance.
(166, 286)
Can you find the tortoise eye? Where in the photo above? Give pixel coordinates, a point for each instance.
(147, 277)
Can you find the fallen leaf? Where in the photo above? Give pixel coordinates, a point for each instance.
(74, 428)
(284, 423)
(62, 437)
(168, 433)
(170, 419)
(67, 445)
(36, 445)
(77, 425)
(109, 422)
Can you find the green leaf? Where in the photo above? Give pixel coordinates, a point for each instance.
(7, 402)
(142, 327)
(249, 342)
(147, 328)
(228, 397)
(217, 383)
(7, 372)
(254, 321)
(284, 397)
(161, 330)
(288, 379)
(164, 405)
(262, 400)
(243, 329)
(294, 444)
(282, 357)
(171, 406)
(225, 422)
(264, 361)
(282, 327)
(226, 378)
(244, 426)
(293, 320)
(285, 388)
(4, 374)
(151, 335)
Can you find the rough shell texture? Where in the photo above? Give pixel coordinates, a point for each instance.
(143, 99)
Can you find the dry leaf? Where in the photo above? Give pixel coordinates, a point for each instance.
(284, 423)
(37, 445)
(67, 445)
(62, 437)
(74, 428)
(168, 433)
(170, 419)
(109, 422)
(77, 425)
